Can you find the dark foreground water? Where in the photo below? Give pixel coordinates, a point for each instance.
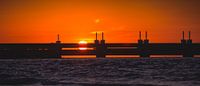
(101, 72)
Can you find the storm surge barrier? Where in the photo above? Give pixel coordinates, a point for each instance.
(144, 49)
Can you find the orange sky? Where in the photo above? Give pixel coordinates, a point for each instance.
(41, 20)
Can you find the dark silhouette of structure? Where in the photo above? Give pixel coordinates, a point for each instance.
(100, 48)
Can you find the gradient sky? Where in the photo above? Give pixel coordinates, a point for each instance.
(41, 20)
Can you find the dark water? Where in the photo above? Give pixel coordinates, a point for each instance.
(101, 72)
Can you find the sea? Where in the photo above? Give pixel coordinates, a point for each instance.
(100, 72)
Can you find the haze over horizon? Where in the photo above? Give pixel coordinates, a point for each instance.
(39, 21)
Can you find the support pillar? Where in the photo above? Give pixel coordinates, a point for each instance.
(58, 47)
(97, 47)
(100, 47)
(188, 48)
(183, 41)
(103, 47)
(140, 45)
(145, 46)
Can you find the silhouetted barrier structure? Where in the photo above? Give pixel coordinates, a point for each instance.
(100, 48)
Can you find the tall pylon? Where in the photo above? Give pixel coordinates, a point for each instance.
(183, 41)
(140, 41)
(146, 41)
(146, 35)
(58, 39)
(140, 35)
(96, 41)
(189, 35)
(189, 38)
(96, 36)
(102, 36)
(102, 40)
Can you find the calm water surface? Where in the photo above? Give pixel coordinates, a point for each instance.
(101, 72)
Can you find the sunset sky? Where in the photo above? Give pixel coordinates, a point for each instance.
(39, 21)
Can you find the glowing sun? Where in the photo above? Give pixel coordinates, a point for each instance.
(82, 45)
(82, 42)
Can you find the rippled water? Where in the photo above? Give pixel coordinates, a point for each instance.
(101, 72)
